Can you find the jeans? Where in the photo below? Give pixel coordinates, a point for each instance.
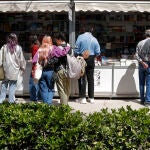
(46, 86)
(33, 89)
(144, 79)
(12, 84)
(89, 73)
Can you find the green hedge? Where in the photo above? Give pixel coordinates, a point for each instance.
(39, 126)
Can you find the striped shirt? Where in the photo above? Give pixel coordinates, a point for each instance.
(143, 50)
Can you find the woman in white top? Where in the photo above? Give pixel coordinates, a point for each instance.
(13, 63)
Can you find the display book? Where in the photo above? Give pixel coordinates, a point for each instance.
(25, 24)
(120, 32)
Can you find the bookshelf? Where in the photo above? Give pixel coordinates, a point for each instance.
(120, 30)
(26, 24)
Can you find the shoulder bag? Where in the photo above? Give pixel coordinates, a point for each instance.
(37, 72)
(2, 74)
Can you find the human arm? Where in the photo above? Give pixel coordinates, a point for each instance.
(77, 46)
(138, 57)
(35, 58)
(97, 50)
(22, 61)
(145, 65)
(1, 54)
(58, 52)
(34, 49)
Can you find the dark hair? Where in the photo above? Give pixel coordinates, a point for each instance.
(147, 33)
(34, 39)
(88, 27)
(59, 35)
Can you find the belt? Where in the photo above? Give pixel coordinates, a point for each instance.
(48, 68)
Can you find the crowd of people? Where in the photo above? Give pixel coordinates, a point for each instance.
(51, 54)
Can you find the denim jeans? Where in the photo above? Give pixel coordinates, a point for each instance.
(12, 84)
(144, 80)
(33, 90)
(46, 86)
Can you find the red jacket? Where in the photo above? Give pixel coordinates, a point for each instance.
(34, 49)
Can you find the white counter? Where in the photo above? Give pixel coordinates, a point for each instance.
(110, 81)
(114, 81)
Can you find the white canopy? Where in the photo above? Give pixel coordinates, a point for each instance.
(30, 6)
(34, 6)
(117, 7)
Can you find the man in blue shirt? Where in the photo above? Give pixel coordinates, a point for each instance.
(87, 41)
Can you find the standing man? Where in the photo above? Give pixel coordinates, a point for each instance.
(88, 47)
(143, 56)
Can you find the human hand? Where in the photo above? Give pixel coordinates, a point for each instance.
(86, 54)
(145, 65)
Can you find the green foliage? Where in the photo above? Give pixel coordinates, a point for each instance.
(40, 126)
(119, 129)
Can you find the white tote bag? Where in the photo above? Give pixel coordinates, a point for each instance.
(38, 72)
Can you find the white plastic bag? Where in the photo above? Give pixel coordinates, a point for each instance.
(38, 72)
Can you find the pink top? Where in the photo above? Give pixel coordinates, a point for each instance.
(56, 52)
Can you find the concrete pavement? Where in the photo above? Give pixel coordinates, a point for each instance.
(98, 105)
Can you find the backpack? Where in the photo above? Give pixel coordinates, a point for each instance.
(75, 66)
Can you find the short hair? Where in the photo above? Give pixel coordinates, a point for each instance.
(147, 33)
(59, 35)
(34, 39)
(88, 27)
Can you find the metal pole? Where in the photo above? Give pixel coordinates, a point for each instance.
(71, 15)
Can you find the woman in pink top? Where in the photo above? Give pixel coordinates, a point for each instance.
(46, 84)
(46, 52)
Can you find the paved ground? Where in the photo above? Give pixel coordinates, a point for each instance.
(98, 105)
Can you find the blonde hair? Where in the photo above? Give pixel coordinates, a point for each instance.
(45, 47)
(46, 41)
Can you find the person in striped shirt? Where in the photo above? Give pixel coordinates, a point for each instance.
(143, 56)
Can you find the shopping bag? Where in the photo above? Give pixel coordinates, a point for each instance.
(37, 72)
(75, 66)
(2, 74)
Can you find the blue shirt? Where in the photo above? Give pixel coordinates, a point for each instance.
(87, 41)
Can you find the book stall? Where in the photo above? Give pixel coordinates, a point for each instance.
(119, 26)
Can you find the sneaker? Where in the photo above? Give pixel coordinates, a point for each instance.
(78, 100)
(142, 102)
(147, 104)
(91, 100)
(83, 101)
